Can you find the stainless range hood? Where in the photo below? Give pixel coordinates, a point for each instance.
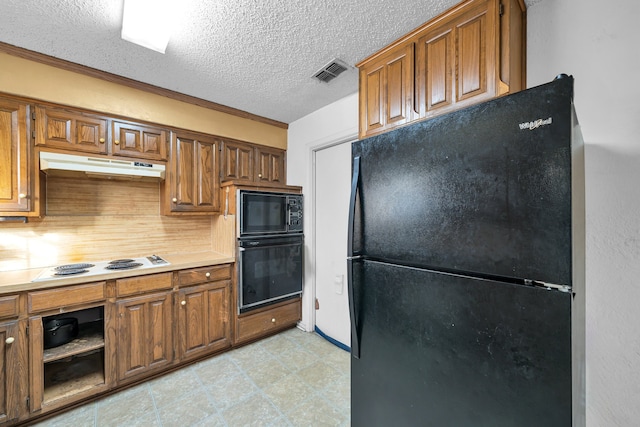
(52, 163)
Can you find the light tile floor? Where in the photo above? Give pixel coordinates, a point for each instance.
(294, 378)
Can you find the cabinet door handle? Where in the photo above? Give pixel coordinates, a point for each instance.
(117, 142)
(22, 196)
(10, 340)
(101, 140)
(273, 320)
(183, 303)
(174, 200)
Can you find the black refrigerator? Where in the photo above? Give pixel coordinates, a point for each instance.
(466, 267)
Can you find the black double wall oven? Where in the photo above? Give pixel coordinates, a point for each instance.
(270, 248)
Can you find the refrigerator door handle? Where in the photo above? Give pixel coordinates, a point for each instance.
(355, 179)
(355, 339)
(355, 336)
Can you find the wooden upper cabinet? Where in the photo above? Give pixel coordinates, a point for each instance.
(69, 130)
(470, 53)
(19, 183)
(386, 90)
(271, 165)
(238, 161)
(193, 181)
(135, 140)
(246, 163)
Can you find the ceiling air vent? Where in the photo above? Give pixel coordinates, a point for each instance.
(330, 71)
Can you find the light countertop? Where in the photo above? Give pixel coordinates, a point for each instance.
(21, 280)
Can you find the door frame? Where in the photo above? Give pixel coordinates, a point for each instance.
(308, 323)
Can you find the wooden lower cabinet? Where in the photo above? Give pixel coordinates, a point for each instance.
(204, 322)
(256, 324)
(73, 371)
(129, 329)
(13, 370)
(145, 338)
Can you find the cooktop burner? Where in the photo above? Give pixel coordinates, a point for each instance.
(121, 261)
(122, 265)
(69, 271)
(100, 268)
(79, 266)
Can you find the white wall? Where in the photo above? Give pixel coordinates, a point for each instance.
(597, 43)
(335, 123)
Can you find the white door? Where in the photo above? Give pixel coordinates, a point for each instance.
(332, 187)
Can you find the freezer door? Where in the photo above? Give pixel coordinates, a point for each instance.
(484, 190)
(445, 350)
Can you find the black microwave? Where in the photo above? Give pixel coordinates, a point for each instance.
(267, 213)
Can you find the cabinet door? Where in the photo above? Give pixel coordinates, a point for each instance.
(271, 165)
(386, 91)
(204, 318)
(194, 179)
(436, 67)
(475, 53)
(455, 60)
(134, 140)
(68, 130)
(237, 161)
(145, 340)
(16, 192)
(13, 371)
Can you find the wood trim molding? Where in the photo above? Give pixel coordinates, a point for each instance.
(124, 81)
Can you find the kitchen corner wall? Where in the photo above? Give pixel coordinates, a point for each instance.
(597, 44)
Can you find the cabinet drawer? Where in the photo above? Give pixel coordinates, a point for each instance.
(9, 306)
(264, 322)
(204, 274)
(143, 284)
(64, 297)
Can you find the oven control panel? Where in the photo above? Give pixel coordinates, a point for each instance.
(294, 209)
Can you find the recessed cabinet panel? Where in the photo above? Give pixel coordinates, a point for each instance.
(472, 64)
(207, 175)
(185, 152)
(374, 100)
(438, 61)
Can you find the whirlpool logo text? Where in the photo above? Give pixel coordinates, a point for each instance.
(535, 124)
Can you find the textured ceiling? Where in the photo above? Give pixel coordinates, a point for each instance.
(258, 56)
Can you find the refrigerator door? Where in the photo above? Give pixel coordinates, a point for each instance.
(485, 190)
(447, 350)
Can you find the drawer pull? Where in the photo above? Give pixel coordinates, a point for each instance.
(273, 320)
(10, 340)
(207, 274)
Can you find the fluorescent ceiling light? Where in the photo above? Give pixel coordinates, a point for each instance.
(147, 23)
